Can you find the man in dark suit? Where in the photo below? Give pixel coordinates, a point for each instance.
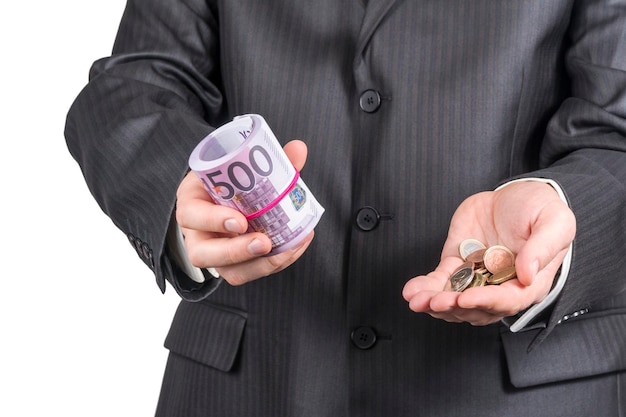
(425, 123)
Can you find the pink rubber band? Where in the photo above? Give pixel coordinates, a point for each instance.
(277, 200)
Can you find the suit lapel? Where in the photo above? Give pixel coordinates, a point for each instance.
(375, 11)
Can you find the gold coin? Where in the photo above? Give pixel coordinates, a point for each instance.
(497, 258)
(502, 276)
(480, 279)
(468, 246)
(482, 270)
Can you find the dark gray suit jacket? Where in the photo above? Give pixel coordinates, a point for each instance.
(407, 108)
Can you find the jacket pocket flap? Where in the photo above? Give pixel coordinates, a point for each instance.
(585, 347)
(206, 333)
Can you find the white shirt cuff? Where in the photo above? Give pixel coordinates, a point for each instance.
(176, 243)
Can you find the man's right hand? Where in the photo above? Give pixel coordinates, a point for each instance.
(215, 235)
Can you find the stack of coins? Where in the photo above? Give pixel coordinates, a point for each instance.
(483, 266)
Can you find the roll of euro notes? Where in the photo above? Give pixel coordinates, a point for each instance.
(243, 166)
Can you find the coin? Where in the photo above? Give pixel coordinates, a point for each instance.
(480, 279)
(497, 258)
(503, 276)
(462, 277)
(468, 246)
(477, 257)
(481, 270)
(483, 266)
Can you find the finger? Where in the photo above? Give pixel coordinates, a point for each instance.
(296, 151)
(444, 301)
(191, 187)
(445, 306)
(550, 236)
(195, 209)
(450, 318)
(434, 281)
(206, 251)
(206, 216)
(264, 266)
(420, 302)
(473, 317)
(499, 300)
(477, 317)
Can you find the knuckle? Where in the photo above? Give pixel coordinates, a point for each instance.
(234, 254)
(196, 257)
(180, 218)
(181, 215)
(235, 280)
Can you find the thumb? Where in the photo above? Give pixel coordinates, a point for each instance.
(296, 151)
(550, 237)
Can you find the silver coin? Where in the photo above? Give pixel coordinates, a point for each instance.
(462, 277)
(468, 246)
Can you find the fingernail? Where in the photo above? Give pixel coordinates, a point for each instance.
(256, 247)
(232, 226)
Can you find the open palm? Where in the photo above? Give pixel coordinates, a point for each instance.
(527, 217)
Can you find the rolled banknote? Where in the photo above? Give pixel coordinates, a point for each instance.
(243, 166)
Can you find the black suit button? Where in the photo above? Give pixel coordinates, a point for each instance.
(369, 101)
(147, 255)
(145, 250)
(367, 218)
(136, 243)
(363, 337)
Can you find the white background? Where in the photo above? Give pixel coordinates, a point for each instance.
(82, 321)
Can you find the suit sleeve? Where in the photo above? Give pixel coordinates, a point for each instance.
(144, 109)
(584, 151)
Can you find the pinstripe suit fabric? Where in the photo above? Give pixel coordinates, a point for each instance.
(473, 93)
